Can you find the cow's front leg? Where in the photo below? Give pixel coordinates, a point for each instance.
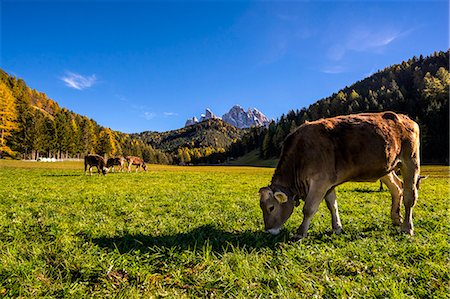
(394, 185)
(312, 202)
(410, 172)
(332, 205)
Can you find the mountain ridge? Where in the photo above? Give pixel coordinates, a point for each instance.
(236, 117)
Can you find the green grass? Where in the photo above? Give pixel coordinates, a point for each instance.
(197, 232)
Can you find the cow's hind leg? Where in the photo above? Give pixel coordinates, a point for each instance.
(332, 205)
(394, 185)
(312, 202)
(410, 172)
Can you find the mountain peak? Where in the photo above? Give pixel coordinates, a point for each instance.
(236, 116)
(240, 119)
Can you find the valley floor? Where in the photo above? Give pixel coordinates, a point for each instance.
(186, 232)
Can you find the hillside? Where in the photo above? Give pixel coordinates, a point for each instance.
(38, 126)
(194, 143)
(209, 133)
(418, 87)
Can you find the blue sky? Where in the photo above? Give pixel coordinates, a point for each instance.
(147, 65)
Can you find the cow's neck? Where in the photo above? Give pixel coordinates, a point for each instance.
(287, 175)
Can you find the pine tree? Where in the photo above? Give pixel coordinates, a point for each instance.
(106, 143)
(89, 139)
(61, 134)
(293, 126)
(8, 117)
(278, 139)
(266, 145)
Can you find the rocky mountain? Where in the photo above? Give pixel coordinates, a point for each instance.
(240, 118)
(191, 121)
(236, 117)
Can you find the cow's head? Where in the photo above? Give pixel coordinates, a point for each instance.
(105, 170)
(277, 206)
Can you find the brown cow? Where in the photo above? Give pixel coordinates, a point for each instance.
(97, 161)
(323, 154)
(131, 160)
(119, 161)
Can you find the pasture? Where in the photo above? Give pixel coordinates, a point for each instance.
(183, 232)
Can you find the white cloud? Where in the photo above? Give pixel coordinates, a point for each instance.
(335, 69)
(148, 115)
(170, 114)
(77, 81)
(365, 40)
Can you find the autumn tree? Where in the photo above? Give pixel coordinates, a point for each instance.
(8, 117)
(106, 143)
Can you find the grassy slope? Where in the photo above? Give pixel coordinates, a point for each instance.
(196, 231)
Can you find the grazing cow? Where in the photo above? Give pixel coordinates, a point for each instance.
(119, 161)
(97, 161)
(131, 160)
(323, 154)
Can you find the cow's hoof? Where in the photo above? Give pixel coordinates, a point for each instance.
(407, 229)
(338, 230)
(397, 221)
(297, 237)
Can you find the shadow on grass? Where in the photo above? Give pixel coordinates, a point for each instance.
(204, 236)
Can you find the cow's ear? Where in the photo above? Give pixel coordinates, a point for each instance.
(280, 197)
(266, 189)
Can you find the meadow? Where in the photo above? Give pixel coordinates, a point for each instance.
(184, 232)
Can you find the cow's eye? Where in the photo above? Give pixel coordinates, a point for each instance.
(271, 208)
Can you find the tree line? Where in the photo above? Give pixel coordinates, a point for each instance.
(418, 88)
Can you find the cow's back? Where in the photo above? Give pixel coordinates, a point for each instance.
(94, 160)
(361, 147)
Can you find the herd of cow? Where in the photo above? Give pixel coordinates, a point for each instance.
(104, 166)
(320, 155)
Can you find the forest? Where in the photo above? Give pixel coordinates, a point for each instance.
(418, 88)
(33, 126)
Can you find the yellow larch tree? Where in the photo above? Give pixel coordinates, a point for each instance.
(8, 117)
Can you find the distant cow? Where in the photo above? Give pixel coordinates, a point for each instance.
(119, 161)
(131, 160)
(97, 161)
(323, 154)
